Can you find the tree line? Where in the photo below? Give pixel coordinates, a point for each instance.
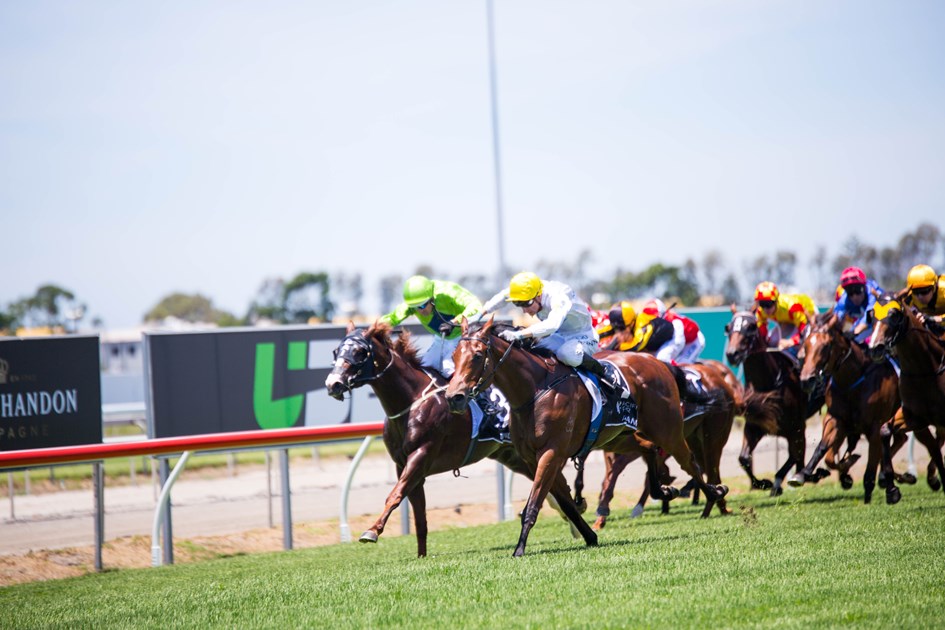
(710, 280)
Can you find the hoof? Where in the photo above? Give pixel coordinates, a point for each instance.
(820, 473)
(881, 480)
(368, 537)
(582, 506)
(599, 523)
(776, 491)
(637, 511)
(720, 491)
(935, 484)
(762, 484)
(796, 480)
(893, 495)
(575, 532)
(910, 480)
(846, 481)
(867, 498)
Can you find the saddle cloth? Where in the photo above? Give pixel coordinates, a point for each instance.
(494, 425)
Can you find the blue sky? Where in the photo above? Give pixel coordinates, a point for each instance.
(146, 149)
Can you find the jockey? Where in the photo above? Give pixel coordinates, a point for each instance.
(792, 313)
(439, 306)
(600, 320)
(643, 334)
(688, 340)
(856, 296)
(927, 293)
(564, 325)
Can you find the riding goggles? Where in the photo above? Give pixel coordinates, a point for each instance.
(524, 303)
(420, 307)
(855, 289)
(923, 290)
(766, 304)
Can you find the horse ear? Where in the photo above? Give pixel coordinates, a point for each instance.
(487, 327)
(350, 328)
(898, 295)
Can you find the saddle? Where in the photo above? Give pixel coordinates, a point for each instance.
(691, 388)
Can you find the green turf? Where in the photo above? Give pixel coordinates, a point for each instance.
(815, 558)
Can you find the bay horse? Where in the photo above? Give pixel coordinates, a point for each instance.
(861, 395)
(551, 412)
(706, 426)
(921, 357)
(769, 371)
(421, 435)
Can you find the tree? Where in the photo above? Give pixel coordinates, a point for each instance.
(269, 304)
(712, 265)
(391, 291)
(195, 308)
(307, 296)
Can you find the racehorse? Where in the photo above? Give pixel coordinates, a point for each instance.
(706, 426)
(921, 356)
(551, 412)
(421, 435)
(861, 396)
(769, 371)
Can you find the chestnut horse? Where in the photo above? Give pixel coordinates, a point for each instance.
(921, 356)
(421, 435)
(706, 426)
(551, 412)
(861, 396)
(769, 371)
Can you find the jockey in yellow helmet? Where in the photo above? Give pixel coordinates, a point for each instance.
(563, 326)
(927, 293)
(792, 312)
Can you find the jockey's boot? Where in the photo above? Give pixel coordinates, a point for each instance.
(688, 390)
(488, 408)
(609, 381)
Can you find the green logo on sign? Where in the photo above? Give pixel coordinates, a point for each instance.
(283, 412)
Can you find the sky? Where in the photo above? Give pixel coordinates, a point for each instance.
(151, 148)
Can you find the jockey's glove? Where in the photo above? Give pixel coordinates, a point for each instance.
(513, 335)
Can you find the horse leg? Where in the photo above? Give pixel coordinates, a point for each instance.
(418, 502)
(796, 445)
(924, 435)
(571, 512)
(934, 483)
(677, 448)
(872, 461)
(831, 438)
(579, 500)
(548, 468)
(750, 438)
(407, 479)
(637, 510)
(615, 464)
(892, 492)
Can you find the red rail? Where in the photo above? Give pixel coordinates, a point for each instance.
(206, 442)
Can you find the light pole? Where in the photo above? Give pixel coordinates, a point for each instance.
(496, 153)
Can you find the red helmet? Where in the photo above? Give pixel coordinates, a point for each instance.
(852, 275)
(766, 292)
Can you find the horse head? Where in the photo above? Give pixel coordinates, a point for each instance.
(476, 359)
(743, 337)
(892, 321)
(824, 349)
(362, 356)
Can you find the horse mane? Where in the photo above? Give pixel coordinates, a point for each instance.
(498, 327)
(403, 345)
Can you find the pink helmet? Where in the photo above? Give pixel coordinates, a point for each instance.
(852, 275)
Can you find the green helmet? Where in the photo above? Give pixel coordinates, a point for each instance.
(418, 290)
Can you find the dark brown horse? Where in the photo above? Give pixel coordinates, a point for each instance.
(707, 427)
(861, 396)
(769, 371)
(551, 412)
(921, 356)
(421, 435)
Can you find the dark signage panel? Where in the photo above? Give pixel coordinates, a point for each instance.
(50, 392)
(249, 379)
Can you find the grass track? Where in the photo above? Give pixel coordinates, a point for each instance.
(815, 558)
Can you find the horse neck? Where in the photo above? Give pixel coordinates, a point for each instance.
(762, 370)
(849, 368)
(518, 376)
(917, 352)
(400, 386)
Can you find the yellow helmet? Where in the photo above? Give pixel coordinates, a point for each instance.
(622, 315)
(921, 276)
(524, 287)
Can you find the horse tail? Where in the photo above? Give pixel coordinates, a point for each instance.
(761, 409)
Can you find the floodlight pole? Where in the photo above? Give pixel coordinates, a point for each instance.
(497, 163)
(496, 153)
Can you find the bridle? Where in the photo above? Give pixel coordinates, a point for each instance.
(485, 379)
(366, 369)
(356, 341)
(741, 323)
